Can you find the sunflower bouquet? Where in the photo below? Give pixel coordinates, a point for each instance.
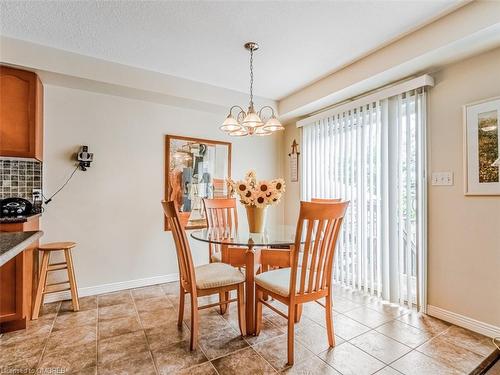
(257, 193)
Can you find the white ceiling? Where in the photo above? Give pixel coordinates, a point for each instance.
(202, 41)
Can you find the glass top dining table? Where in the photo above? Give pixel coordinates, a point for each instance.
(278, 236)
(252, 251)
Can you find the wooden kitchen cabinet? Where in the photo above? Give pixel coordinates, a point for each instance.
(21, 114)
(18, 280)
(13, 311)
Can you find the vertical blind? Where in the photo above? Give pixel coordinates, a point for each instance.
(372, 156)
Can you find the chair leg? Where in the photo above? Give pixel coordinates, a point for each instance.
(223, 297)
(72, 280)
(258, 311)
(265, 268)
(182, 298)
(329, 321)
(41, 285)
(194, 322)
(291, 333)
(241, 309)
(298, 312)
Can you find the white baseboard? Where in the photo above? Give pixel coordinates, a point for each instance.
(113, 287)
(464, 321)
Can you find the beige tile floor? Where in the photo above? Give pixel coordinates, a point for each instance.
(135, 332)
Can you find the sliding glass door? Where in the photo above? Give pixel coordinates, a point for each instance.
(374, 156)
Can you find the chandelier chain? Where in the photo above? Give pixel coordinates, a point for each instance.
(251, 77)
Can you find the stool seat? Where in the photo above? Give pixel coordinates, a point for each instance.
(53, 246)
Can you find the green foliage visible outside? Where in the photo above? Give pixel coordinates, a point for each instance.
(488, 146)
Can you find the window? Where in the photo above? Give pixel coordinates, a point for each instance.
(373, 155)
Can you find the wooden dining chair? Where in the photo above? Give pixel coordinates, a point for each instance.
(318, 225)
(298, 309)
(205, 280)
(222, 213)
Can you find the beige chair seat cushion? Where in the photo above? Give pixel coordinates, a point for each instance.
(278, 281)
(214, 275)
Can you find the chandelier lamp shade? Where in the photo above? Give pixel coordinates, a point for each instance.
(240, 123)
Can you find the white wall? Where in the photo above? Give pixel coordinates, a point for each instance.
(292, 194)
(113, 210)
(464, 232)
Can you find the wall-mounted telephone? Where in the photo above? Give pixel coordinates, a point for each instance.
(15, 207)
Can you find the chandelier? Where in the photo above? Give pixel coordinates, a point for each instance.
(239, 123)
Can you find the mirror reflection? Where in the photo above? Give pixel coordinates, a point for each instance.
(197, 169)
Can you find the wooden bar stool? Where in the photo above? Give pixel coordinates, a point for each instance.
(43, 287)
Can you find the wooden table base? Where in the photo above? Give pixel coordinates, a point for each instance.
(255, 260)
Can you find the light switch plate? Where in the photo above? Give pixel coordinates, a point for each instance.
(442, 178)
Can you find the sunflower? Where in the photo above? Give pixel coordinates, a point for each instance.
(261, 200)
(249, 198)
(242, 188)
(256, 193)
(264, 187)
(273, 196)
(279, 185)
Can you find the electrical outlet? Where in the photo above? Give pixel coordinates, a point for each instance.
(442, 178)
(37, 194)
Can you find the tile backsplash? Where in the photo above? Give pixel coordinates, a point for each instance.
(18, 178)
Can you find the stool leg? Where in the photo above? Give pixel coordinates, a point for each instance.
(41, 285)
(72, 280)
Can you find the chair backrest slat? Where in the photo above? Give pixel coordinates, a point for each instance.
(220, 213)
(319, 223)
(184, 258)
(335, 234)
(318, 245)
(323, 255)
(305, 257)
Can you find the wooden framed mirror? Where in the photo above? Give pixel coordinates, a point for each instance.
(195, 169)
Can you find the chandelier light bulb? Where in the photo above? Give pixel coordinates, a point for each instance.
(273, 124)
(262, 132)
(239, 133)
(230, 124)
(252, 119)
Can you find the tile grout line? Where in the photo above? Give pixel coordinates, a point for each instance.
(241, 349)
(284, 333)
(374, 330)
(144, 331)
(215, 368)
(424, 342)
(189, 329)
(415, 349)
(370, 330)
(438, 360)
(273, 324)
(47, 339)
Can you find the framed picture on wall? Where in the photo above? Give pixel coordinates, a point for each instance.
(482, 147)
(195, 169)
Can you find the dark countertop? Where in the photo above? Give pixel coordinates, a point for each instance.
(17, 219)
(12, 243)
